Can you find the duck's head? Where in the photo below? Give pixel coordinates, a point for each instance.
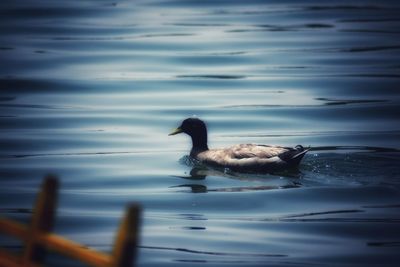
(191, 126)
(196, 129)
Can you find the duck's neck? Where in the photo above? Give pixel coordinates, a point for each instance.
(199, 143)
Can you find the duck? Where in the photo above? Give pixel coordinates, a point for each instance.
(241, 157)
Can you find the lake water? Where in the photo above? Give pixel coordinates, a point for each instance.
(89, 90)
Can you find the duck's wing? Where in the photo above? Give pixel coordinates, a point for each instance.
(252, 156)
(245, 151)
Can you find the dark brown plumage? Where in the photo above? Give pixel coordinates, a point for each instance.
(243, 157)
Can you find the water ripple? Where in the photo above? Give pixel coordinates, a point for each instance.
(215, 253)
(212, 76)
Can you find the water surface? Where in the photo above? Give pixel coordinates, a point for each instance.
(89, 91)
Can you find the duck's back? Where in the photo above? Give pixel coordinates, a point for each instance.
(253, 157)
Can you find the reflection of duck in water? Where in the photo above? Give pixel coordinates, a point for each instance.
(243, 157)
(198, 174)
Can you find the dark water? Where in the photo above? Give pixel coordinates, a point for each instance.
(90, 90)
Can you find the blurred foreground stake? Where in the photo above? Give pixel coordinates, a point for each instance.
(39, 239)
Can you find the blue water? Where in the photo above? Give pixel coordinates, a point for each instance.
(89, 90)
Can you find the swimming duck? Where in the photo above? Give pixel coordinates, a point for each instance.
(243, 157)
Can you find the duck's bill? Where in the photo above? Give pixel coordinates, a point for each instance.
(176, 131)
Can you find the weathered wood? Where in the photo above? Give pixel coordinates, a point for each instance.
(42, 220)
(38, 238)
(75, 250)
(7, 259)
(127, 239)
(56, 243)
(14, 228)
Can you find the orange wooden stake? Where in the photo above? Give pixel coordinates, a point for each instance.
(39, 239)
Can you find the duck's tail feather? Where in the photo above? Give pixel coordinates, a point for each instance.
(298, 156)
(295, 155)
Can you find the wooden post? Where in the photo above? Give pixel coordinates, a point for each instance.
(38, 237)
(127, 239)
(42, 221)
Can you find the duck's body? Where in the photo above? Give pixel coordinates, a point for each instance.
(243, 157)
(252, 157)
